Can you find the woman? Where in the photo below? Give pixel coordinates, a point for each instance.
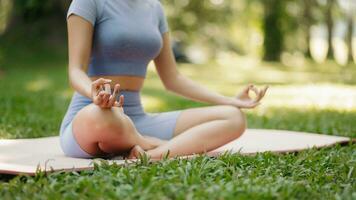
(110, 43)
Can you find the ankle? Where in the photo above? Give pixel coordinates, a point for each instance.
(144, 143)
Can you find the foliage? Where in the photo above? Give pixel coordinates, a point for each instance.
(273, 34)
(5, 14)
(196, 19)
(214, 24)
(32, 10)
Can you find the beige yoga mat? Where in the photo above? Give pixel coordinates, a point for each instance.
(28, 155)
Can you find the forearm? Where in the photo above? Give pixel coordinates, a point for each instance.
(80, 81)
(186, 87)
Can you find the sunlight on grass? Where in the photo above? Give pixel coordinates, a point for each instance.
(320, 96)
(4, 134)
(290, 87)
(38, 85)
(243, 62)
(325, 96)
(66, 93)
(152, 103)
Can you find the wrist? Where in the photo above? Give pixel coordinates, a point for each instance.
(228, 101)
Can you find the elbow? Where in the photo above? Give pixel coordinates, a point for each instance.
(169, 86)
(172, 83)
(71, 83)
(71, 78)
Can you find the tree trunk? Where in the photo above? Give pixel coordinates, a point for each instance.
(273, 34)
(350, 27)
(6, 10)
(330, 26)
(307, 21)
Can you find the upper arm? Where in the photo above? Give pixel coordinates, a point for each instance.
(80, 34)
(163, 24)
(165, 62)
(81, 18)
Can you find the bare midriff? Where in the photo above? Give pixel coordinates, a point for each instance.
(131, 83)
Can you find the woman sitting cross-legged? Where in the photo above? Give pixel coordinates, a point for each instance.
(110, 46)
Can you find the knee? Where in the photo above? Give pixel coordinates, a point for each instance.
(103, 130)
(236, 120)
(94, 119)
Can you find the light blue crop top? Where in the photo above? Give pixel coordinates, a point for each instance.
(127, 34)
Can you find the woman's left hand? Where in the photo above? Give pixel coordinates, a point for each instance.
(244, 100)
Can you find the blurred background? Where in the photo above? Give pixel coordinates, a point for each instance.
(304, 49)
(271, 30)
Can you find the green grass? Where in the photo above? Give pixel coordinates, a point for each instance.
(315, 98)
(313, 174)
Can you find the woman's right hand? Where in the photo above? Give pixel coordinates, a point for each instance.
(103, 98)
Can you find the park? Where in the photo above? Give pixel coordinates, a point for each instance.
(305, 51)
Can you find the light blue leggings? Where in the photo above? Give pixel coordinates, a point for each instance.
(159, 125)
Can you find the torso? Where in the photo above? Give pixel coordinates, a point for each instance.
(132, 83)
(126, 38)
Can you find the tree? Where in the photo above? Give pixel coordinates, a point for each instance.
(330, 24)
(272, 29)
(307, 21)
(350, 27)
(6, 7)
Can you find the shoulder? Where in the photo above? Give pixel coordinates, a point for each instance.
(90, 10)
(156, 4)
(88, 3)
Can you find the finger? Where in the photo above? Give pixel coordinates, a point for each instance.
(259, 97)
(102, 81)
(117, 89)
(265, 90)
(105, 100)
(96, 90)
(99, 82)
(114, 95)
(256, 91)
(120, 103)
(247, 88)
(107, 88)
(253, 105)
(111, 101)
(99, 98)
(101, 88)
(122, 100)
(262, 93)
(117, 104)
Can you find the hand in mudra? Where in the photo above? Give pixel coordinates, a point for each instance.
(244, 100)
(101, 94)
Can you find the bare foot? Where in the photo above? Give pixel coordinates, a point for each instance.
(135, 152)
(154, 142)
(148, 142)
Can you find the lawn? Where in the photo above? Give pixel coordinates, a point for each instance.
(318, 98)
